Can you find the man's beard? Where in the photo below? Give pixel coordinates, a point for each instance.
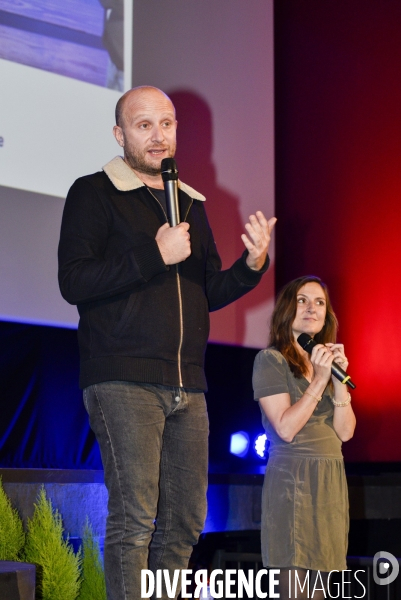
(136, 161)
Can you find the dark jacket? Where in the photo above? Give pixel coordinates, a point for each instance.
(140, 320)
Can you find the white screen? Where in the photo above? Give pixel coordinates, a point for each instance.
(56, 124)
(56, 115)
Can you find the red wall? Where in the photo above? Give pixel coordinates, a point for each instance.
(338, 188)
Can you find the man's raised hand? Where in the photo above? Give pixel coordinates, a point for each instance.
(257, 242)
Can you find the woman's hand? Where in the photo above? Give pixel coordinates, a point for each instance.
(344, 418)
(321, 359)
(338, 354)
(342, 361)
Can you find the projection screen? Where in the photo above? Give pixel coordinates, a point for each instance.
(62, 68)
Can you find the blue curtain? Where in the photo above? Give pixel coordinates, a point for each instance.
(43, 421)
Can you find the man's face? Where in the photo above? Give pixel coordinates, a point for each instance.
(148, 130)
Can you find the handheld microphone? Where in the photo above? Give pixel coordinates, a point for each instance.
(307, 343)
(170, 180)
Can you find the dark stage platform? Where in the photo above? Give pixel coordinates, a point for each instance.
(234, 502)
(231, 536)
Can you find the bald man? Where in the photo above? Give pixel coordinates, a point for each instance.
(143, 291)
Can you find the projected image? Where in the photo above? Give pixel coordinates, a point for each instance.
(82, 39)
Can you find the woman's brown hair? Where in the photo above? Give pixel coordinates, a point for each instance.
(281, 336)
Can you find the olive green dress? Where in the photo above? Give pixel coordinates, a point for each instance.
(305, 516)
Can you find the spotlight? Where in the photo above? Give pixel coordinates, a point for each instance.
(261, 445)
(239, 443)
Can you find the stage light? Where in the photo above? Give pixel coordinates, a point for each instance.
(239, 443)
(261, 445)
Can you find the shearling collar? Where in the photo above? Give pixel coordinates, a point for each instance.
(125, 180)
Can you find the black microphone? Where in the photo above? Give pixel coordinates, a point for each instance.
(307, 343)
(170, 180)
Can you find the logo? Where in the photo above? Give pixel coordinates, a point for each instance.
(385, 568)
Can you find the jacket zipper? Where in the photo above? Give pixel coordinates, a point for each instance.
(181, 325)
(177, 274)
(181, 313)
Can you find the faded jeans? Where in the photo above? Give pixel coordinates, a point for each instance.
(154, 447)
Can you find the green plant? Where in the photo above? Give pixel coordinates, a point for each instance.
(93, 583)
(12, 535)
(58, 568)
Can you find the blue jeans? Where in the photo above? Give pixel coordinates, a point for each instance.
(154, 446)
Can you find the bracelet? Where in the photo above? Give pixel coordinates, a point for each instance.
(348, 401)
(317, 398)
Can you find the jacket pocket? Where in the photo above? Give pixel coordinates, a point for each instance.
(122, 322)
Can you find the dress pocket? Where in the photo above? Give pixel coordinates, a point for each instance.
(278, 518)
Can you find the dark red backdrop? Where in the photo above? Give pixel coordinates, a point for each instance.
(338, 131)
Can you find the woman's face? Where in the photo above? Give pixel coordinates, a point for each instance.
(311, 310)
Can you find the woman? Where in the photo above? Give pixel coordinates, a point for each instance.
(307, 414)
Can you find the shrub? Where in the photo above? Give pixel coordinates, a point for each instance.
(12, 537)
(57, 567)
(93, 583)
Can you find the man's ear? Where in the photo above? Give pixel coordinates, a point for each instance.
(118, 134)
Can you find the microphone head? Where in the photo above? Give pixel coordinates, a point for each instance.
(306, 342)
(169, 169)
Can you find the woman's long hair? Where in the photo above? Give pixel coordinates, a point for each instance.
(281, 336)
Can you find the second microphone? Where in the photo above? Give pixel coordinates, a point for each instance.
(308, 343)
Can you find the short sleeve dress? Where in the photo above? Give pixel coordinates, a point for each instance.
(305, 513)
